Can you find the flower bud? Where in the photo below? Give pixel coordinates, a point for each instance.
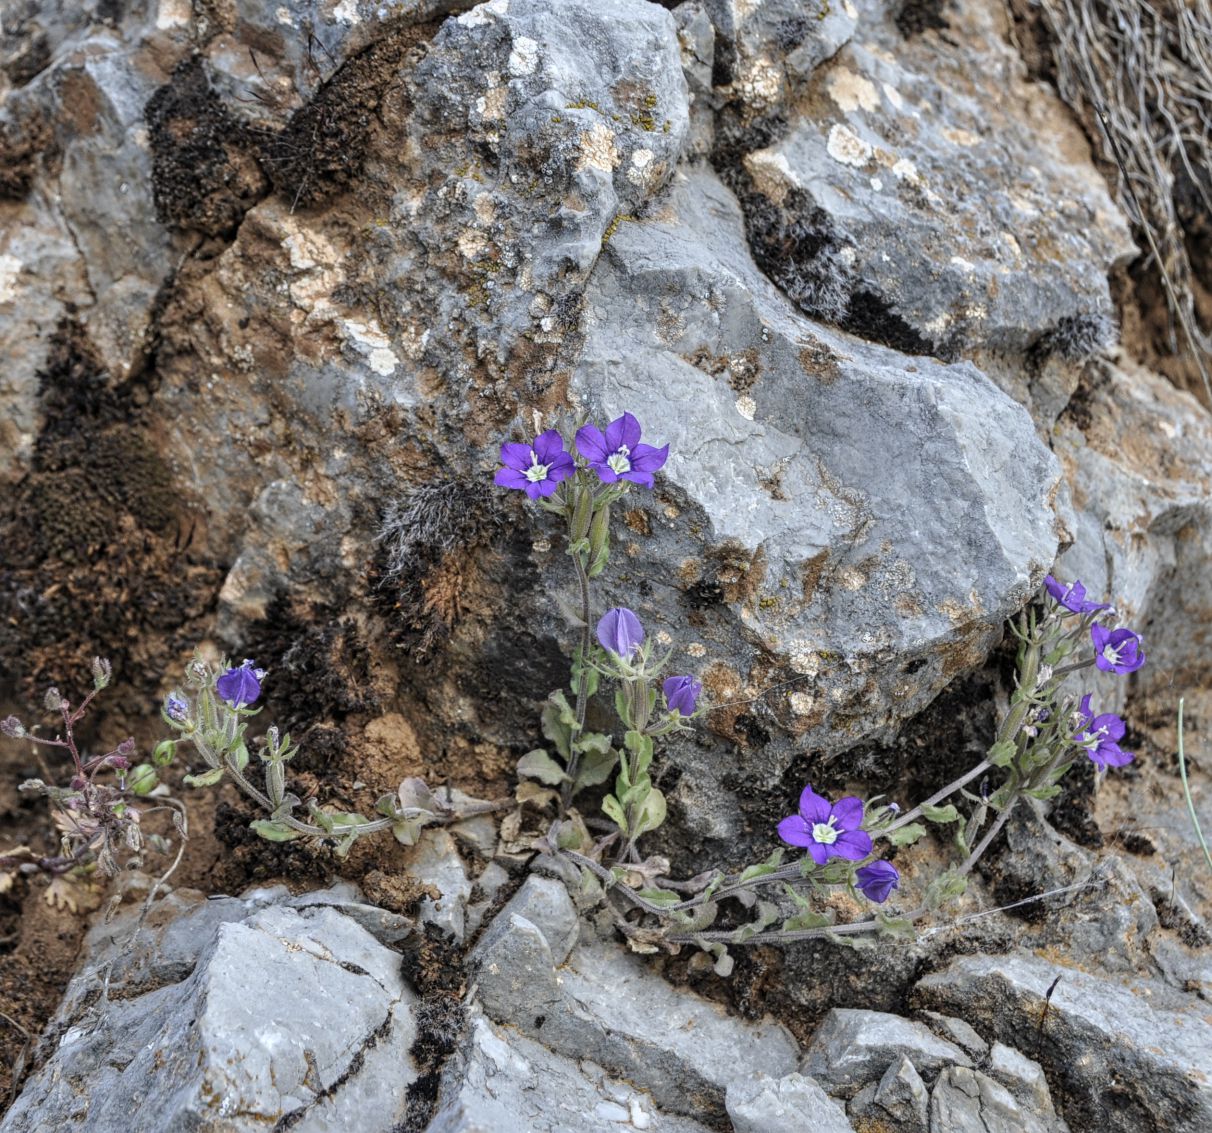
(176, 708)
(53, 700)
(12, 727)
(142, 780)
(620, 631)
(102, 672)
(165, 752)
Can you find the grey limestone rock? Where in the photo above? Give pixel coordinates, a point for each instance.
(853, 1047)
(959, 224)
(605, 1006)
(900, 1096)
(966, 1101)
(435, 860)
(762, 1104)
(500, 1080)
(957, 1031)
(1022, 1076)
(1100, 1036)
(228, 1015)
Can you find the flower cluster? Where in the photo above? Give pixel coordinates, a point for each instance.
(540, 467)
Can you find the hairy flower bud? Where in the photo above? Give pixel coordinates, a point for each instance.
(102, 672)
(12, 727)
(53, 700)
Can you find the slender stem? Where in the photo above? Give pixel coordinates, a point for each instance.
(936, 798)
(1065, 670)
(574, 754)
(990, 834)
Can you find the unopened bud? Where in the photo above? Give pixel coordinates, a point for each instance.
(143, 780)
(102, 671)
(53, 699)
(12, 727)
(164, 753)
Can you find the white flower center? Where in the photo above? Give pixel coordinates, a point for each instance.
(619, 461)
(824, 832)
(1111, 654)
(537, 472)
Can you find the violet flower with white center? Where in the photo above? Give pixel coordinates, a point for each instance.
(1116, 650)
(1073, 598)
(1100, 737)
(877, 880)
(618, 455)
(241, 685)
(535, 469)
(682, 694)
(619, 630)
(827, 830)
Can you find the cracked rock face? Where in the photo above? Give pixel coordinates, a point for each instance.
(238, 1013)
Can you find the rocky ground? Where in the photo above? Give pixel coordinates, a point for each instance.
(277, 279)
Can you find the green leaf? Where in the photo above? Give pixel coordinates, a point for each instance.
(945, 887)
(1043, 793)
(206, 779)
(597, 762)
(940, 814)
(408, 830)
(660, 897)
(558, 721)
(906, 835)
(770, 865)
(1001, 754)
(539, 765)
(807, 919)
(652, 813)
(698, 918)
(614, 811)
(273, 831)
(896, 927)
(767, 914)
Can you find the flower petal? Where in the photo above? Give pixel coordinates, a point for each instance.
(820, 854)
(509, 478)
(813, 807)
(645, 458)
(795, 832)
(849, 813)
(591, 444)
(644, 479)
(516, 456)
(621, 431)
(549, 446)
(852, 845)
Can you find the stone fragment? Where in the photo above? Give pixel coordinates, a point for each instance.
(1147, 1047)
(606, 1006)
(545, 903)
(853, 1047)
(229, 1014)
(956, 1031)
(502, 1081)
(967, 1101)
(900, 1096)
(1022, 1076)
(435, 861)
(761, 1104)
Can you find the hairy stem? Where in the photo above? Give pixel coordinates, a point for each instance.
(574, 754)
(936, 798)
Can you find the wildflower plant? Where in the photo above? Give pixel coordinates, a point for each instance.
(827, 844)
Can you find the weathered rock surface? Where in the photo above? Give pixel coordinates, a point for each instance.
(236, 1013)
(923, 207)
(500, 1080)
(853, 1047)
(762, 1104)
(604, 1005)
(1100, 1038)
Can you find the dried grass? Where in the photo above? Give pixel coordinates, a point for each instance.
(1140, 75)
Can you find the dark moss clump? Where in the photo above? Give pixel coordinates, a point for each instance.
(324, 146)
(22, 140)
(97, 545)
(205, 172)
(917, 16)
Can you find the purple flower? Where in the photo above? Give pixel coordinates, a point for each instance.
(877, 880)
(682, 694)
(1100, 736)
(1073, 599)
(537, 469)
(619, 455)
(620, 631)
(1116, 650)
(241, 685)
(827, 830)
(176, 707)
